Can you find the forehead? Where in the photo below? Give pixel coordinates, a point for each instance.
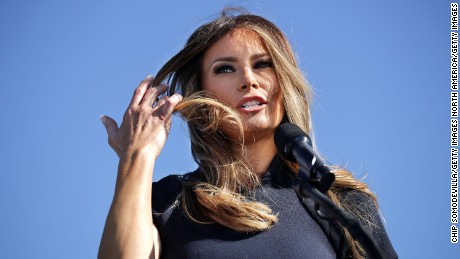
(241, 40)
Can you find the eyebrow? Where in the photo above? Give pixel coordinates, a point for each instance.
(234, 59)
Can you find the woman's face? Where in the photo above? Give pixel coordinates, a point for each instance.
(239, 71)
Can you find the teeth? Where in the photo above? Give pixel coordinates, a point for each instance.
(250, 104)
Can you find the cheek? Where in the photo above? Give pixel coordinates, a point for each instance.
(220, 90)
(211, 86)
(274, 93)
(270, 83)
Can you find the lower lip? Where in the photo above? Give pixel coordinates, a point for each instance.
(254, 108)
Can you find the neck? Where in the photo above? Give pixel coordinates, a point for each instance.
(260, 153)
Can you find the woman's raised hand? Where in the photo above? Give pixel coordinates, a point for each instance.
(146, 124)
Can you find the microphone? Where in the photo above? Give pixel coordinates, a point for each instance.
(295, 145)
(315, 177)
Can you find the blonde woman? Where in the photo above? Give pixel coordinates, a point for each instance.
(234, 82)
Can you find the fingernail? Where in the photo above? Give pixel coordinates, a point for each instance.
(176, 97)
(103, 119)
(149, 77)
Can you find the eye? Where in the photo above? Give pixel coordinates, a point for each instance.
(263, 64)
(224, 69)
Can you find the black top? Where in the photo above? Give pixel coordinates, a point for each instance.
(299, 233)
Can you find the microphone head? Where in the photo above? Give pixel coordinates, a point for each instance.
(286, 135)
(289, 137)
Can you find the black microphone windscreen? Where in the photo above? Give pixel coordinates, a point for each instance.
(286, 132)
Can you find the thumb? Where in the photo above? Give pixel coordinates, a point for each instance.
(110, 125)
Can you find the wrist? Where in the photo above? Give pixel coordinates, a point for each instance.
(142, 154)
(136, 162)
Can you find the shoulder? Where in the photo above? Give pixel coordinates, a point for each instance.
(364, 208)
(166, 190)
(165, 193)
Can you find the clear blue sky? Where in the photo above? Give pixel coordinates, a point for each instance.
(380, 70)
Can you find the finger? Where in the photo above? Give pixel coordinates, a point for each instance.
(140, 90)
(169, 104)
(110, 125)
(152, 94)
(159, 104)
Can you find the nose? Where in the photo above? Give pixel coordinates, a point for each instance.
(248, 79)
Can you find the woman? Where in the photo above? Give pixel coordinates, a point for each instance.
(240, 81)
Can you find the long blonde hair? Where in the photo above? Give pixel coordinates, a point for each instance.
(218, 195)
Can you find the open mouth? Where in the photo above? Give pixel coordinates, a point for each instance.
(251, 104)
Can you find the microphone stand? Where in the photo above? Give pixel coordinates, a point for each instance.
(308, 188)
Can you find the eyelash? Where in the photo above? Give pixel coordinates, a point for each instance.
(224, 69)
(263, 64)
(229, 68)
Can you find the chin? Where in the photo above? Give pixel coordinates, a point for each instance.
(254, 127)
(265, 121)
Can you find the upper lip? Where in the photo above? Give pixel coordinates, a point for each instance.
(246, 99)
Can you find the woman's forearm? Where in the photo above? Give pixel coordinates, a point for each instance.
(129, 230)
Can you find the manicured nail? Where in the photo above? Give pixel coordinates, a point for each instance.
(176, 97)
(103, 119)
(149, 77)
